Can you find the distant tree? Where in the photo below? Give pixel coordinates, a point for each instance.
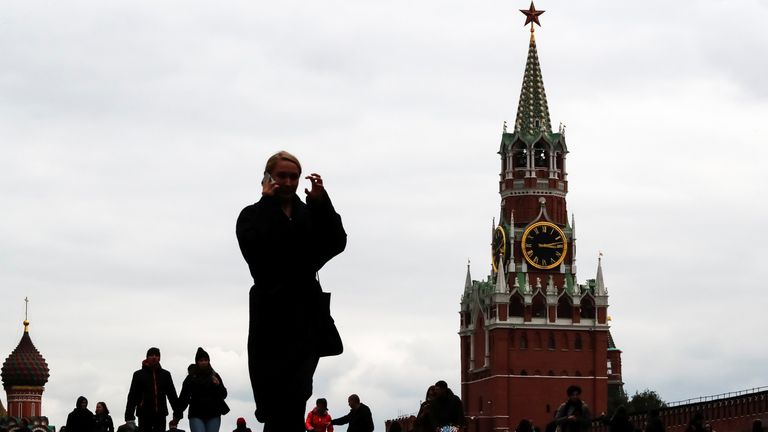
(616, 397)
(645, 401)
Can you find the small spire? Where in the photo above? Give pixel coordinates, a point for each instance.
(600, 289)
(551, 286)
(501, 276)
(468, 281)
(505, 126)
(26, 314)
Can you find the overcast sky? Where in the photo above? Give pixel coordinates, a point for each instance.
(133, 132)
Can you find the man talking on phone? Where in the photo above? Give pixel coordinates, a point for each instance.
(285, 243)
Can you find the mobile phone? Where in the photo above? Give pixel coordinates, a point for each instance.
(267, 179)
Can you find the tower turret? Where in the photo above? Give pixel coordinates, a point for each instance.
(24, 374)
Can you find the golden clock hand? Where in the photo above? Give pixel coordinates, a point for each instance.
(551, 245)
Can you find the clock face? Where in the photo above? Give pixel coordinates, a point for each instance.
(498, 247)
(544, 245)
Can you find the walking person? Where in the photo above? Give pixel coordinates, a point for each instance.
(447, 411)
(573, 415)
(319, 420)
(81, 418)
(285, 243)
(150, 387)
(424, 422)
(359, 418)
(204, 392)
(102, 419)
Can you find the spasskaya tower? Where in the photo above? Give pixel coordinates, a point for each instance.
(530, 329)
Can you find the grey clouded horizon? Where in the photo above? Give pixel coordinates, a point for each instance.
(132, 133)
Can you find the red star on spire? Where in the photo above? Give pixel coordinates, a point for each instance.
(532, 15)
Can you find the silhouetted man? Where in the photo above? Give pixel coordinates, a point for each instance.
(359, 417)
(447, 409)
(150, 387)
(573, 415)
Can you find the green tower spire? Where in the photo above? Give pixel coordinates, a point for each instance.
(532, 110)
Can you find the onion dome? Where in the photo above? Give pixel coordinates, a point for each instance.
(25, 366)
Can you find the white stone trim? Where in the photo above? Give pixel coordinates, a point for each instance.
(535, 376)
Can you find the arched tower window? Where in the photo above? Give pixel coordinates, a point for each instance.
(523, 341)
(551, 341)
(539, 308)
(516, 306)
(577, 343)
(587, 307)
(564, 308)
(540, 156)
(566, 342)
(519, 156)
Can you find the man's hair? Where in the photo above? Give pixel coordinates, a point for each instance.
(153, 352)
(574, 389)
(281, 155)
(442, 384)
(355, 398)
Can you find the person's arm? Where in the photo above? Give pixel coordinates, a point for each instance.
(173, 399)
(220, 387)
(308, 422)
(585, 420)
(561, 416)
(258, 232)
(341, 420)
(110, 425)
(368, 419)
(331, 239)
(134, 396)
(183, 399)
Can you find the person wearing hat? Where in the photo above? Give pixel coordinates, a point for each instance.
(573, 415)
(241, 426)
(203, 392)
(150, 387)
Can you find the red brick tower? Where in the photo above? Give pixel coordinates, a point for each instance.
(529, 330)
(24, 375)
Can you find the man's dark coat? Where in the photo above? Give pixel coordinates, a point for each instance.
(150, 387)
(359, 419)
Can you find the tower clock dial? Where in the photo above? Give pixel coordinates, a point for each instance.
(544, 245)
(498, 247)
